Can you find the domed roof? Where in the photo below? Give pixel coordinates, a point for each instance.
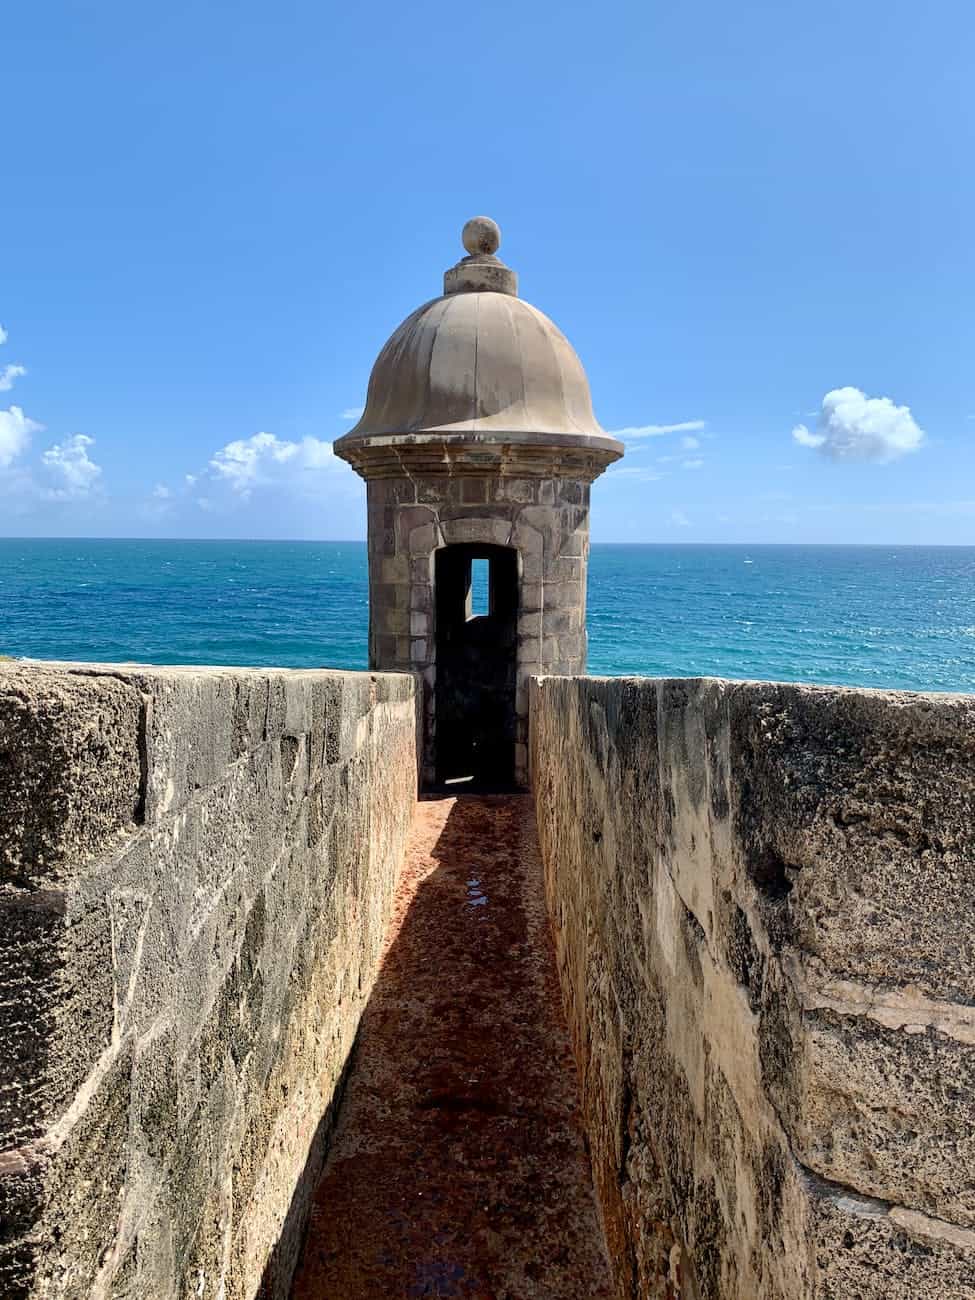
(478, 361)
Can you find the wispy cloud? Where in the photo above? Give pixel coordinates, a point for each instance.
(942, 509)
(692, 464)
(635, 472)
(352, 413)
(658, 430)
(690, 443)
(679, 519)
(854, 427)
(9, 375)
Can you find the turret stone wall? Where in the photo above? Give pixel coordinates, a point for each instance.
(196, 871)
(545, 519)
(763, 899)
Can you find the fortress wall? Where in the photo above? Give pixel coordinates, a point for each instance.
(196, 869)
(763, 899)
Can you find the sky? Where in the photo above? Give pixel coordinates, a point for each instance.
(754, 222)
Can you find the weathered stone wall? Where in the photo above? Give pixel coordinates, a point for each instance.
(546, 519)
(196, 867)
(764, 905)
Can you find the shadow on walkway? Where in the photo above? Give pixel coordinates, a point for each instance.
(458, 1165)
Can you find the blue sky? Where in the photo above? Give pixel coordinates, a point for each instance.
(214, 215)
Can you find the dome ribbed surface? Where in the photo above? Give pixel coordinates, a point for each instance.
(477, 362)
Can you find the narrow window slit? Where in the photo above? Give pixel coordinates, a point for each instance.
(480, 590)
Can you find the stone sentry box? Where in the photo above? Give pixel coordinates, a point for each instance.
(478, 431)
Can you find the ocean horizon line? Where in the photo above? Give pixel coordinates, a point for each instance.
(361, 541)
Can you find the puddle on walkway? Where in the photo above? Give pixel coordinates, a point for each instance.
(476, 896)
(458, 1167)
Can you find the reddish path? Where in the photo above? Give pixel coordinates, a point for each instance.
(458, 1166)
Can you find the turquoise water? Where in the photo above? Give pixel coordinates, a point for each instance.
(870, 616)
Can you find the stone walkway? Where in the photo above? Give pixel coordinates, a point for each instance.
(458, 1166)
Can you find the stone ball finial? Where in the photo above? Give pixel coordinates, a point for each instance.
(481, 235)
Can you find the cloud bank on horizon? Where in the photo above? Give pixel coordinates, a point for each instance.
(65, 471)
(855, 427)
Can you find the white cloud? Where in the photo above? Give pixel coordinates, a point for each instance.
(854, 427)
(266, 460)
(313, 453)
(679, 519)
(658, 430)
(15, 431)
(159, 504)
(352, 413)
(9, 374)
(72, 469)
(243, 462)
(690, 443)
(691, 464)
(68, 472)
(806, 439)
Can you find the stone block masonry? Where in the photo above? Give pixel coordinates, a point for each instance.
(196, 870)
(764, 905)
(545, 519)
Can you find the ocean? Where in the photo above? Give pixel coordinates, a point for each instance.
(868, 616)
